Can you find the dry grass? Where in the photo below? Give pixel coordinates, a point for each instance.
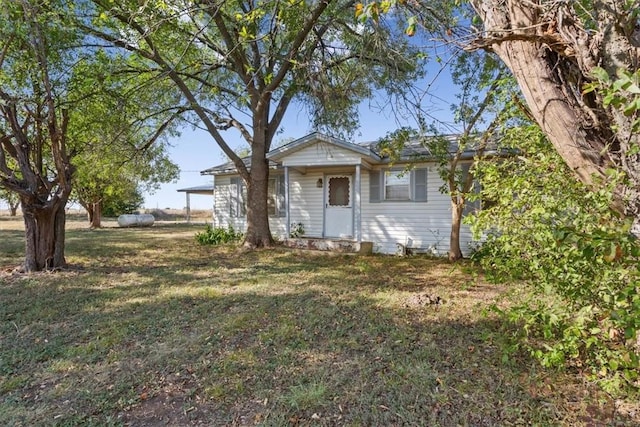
(147, 328)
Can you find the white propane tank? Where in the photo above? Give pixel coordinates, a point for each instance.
(136, 220)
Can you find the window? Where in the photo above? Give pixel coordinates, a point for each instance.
(395, 185)
(339, 189)
(275, 197)
(473, 203)
(237, 198)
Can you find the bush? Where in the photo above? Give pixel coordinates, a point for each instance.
(575, 257)
(218, 235)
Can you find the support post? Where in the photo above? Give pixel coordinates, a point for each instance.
(188, 206)
(287, 216)
(213, 205)
(357, 205)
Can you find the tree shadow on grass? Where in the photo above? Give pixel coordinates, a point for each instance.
(306, 356)
(152, 329)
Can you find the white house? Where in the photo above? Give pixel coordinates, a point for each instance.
(339, 190)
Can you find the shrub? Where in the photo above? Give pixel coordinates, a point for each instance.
(576, 257)
(218, 235)
(297, 230)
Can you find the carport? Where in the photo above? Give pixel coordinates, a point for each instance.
(206, 190)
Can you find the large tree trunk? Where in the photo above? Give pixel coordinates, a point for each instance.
(13, 209)
(94, 213)
(552, 56)
(44, 236)
(455, 253)
(96, 218)
(258, 233)
(94, 210)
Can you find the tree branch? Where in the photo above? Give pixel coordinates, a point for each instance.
(295, 46)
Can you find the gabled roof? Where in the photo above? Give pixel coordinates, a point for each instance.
(414, 150)
(313, 138)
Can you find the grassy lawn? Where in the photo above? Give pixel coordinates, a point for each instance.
(147, 328)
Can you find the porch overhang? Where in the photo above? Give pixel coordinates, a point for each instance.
(280, 154)
(302, 167)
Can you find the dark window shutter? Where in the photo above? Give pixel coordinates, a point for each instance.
(419, 177)
(374, 186)
(472, 203)
(233, 197)
(280, 196)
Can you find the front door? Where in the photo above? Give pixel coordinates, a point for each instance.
(338, 207)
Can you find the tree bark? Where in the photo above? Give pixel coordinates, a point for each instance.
(44, 236)
(13, 209)
(95, 214)
(258, 233)
(455, 253)
(552, 57)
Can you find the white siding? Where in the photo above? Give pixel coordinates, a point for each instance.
(222, 217)
(306, 201)
(425, 226)
(322, 154)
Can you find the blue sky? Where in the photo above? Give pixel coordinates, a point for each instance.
(195, 150)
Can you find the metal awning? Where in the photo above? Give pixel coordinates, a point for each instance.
(206, 190)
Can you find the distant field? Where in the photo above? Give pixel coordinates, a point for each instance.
(78, 218)
(147, 328)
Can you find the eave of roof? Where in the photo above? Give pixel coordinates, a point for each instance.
(200, 189)
(229, 168)
(414, 151)
(305, 141)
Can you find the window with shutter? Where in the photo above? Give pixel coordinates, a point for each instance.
(419, 185)
(237, 198)
(398, 185)
(275, 197)
(374, 186)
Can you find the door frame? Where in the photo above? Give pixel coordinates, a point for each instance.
(325, 204)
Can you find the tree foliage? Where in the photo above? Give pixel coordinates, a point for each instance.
(35, 68)
(555, 234)
(239, 65)
(120, 135)
(127, 201)
(12, 199)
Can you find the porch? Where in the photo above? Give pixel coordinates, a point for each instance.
(330, 245)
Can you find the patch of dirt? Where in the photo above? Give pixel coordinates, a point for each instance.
(173, 403)
(422, 300)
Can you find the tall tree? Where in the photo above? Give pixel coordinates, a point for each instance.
(121, 134)
(479, 113)
(12, 199)
(484, 96)
(553, 49)
(558, 51)
(114, 176)
(240, 64)
(49, 77)
(34, 162)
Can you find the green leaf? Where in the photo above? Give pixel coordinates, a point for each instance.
(601, 74)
